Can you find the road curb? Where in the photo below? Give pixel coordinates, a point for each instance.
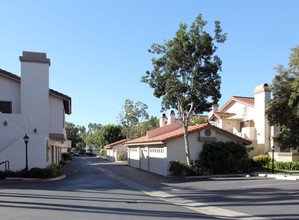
(277, 176)
(207, 177)
(35, 180)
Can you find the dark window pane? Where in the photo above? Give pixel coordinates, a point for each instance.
(5, 107)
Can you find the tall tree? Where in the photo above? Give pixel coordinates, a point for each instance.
(110, 134)
(186, 74)
(148, 125)
(74, 133)
(92, 135)
(283, 111)
(131, 117)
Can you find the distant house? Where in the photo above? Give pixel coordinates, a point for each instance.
(154, 151)
(28, 106)
(116, 148)
(246, 117)
(91, 150)
(66, 147)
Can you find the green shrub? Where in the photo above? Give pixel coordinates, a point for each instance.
(22, 173)
(120, 157)
(102, 153)
(37, 172)
(73, 150)
(262, 160)
(285, 165)
(178, 168)
(62, 162)
(3, 175)
(54, 169)
(224, 158)
(82, 151)
(66, 156)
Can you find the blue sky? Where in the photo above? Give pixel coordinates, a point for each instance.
(98, 49)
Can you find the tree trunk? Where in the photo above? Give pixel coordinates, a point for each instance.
(187, 151)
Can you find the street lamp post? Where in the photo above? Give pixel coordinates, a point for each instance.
(26, 140)
(272, 158)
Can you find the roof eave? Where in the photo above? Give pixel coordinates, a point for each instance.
(144, 143)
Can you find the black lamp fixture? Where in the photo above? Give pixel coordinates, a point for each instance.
(35, 130)
(26, 140)
(5, 123)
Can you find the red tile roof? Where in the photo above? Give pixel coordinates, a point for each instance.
(115, 143)
(180, 132)
(9, 75)
(246, 100)
(224, 114)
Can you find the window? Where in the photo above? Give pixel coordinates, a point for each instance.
(5, 107)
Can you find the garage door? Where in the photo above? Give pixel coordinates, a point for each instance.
(134, 157)
(144, 159)
(157, 160)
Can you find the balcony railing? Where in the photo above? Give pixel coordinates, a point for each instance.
(6, 164)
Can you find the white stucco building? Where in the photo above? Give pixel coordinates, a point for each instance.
(154, 151)
(116, 148)
(90, 149)
(246, 117)
(28, 106)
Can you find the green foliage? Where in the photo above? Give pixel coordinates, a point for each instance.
(51, 171)
(66, 156)
(224, 158)
(102, 153)
(178, 168)
(40, 173)
(74, 133)
(198, 120)
(186, 73)
(110, 134)
(262, 160)
(181, 168)
(120, 157)
(148, 125)
(3, 175)
(54, 169)
(283, 111)
(82, 151)
(285, 165)
(62, 162)
(74, 149)
(92, 135)
(131, 118)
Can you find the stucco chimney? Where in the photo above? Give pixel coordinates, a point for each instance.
(35, 91)
(171, 117)
(214, 109)
(262, 98)
(162, 120)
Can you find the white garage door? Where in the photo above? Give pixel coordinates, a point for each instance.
(134, 157)
(144, 159)
(157, 160)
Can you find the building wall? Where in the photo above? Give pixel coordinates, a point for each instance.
(176, 150)
(12, 146)
(242, 111)
(261, 101)
(134, 154)
(10, 91)
(56, 115)
(35, 104)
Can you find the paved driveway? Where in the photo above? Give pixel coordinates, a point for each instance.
(97, 189)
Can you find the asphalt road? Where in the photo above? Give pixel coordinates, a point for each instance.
(97, 189)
